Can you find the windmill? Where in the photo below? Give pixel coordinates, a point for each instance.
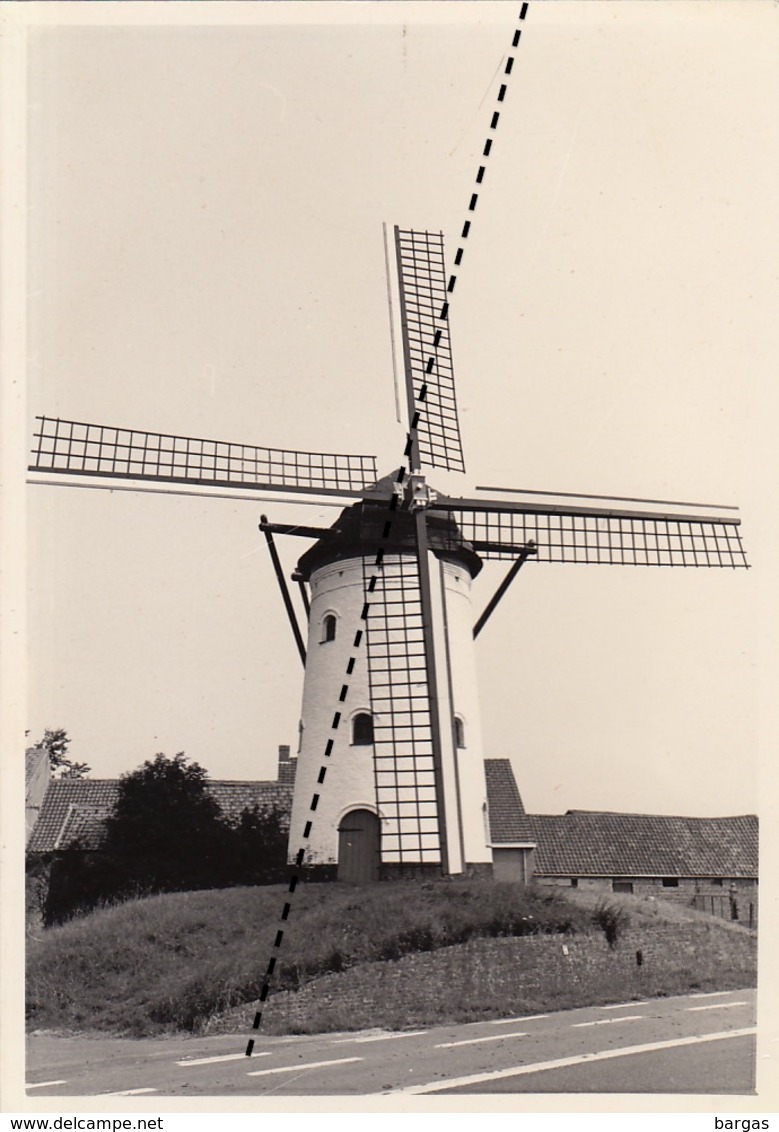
(390, 709)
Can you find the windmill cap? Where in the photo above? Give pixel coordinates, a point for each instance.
(360, 531)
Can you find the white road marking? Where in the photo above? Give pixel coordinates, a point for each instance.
(127, 1093)
(379, 1037)
(717, 1006)
(710, 994)
(563, 1062)
(474, 1041)
(623, 1005)
(302, 1065)
(607, 1021)
(45, 1084)
(509, 1021)
(224, 1057)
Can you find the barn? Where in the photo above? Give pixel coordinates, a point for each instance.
(711, 863)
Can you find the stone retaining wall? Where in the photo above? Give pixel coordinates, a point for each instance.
(496, 977)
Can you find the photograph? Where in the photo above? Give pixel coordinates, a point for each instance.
(394, 426)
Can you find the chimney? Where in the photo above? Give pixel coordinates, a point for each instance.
(287, 766)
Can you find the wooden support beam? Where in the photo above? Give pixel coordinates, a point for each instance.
(265, 527)
(524, 554)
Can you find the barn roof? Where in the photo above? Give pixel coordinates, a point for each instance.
(76, 808)
(508, 821)
(592, 843)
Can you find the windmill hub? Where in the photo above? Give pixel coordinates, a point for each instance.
(420, 494)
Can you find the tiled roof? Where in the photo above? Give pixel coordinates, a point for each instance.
(508, 820)
(84, 826)
(235, 797)
(76, 808)
(95, 794)
(590, 843)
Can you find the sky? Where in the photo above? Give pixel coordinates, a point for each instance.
(205, 257)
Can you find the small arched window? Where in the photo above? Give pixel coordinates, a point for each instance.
(362, 730)
(328, 628)
(459, 732)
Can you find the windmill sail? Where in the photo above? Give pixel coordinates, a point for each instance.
(74, 448)
(404, 762)
(606, 536)
(427, 348)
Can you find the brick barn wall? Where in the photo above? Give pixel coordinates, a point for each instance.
(698, 892)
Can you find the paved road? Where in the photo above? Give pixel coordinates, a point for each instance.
(690, 1044)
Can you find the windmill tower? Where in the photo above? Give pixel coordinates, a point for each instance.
(394, 804)
(390, 710)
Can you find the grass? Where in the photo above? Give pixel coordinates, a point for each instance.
(178, 962)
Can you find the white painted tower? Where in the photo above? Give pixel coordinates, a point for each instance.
(378, 812)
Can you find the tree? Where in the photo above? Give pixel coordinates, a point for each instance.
(166, 831)
(56, 743)
(259, 846)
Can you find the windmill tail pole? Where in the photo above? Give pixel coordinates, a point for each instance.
(274, 555)
(524, 554)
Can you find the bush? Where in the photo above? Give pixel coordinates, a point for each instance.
(612, 918)
(166, 831)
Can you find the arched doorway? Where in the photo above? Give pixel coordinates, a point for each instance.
(358, 847)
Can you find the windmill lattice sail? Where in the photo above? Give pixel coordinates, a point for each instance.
(427, 348)
(404, 768)
(596, 536)
(77, 448)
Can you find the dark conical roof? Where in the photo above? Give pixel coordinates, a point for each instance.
(360, 530)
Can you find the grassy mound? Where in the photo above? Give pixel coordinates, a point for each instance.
(174, 962)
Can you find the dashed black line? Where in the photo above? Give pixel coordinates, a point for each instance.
(387, 529)
(482, 170)
(300, 857)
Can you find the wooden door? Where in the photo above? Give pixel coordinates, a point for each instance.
(358, 847)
